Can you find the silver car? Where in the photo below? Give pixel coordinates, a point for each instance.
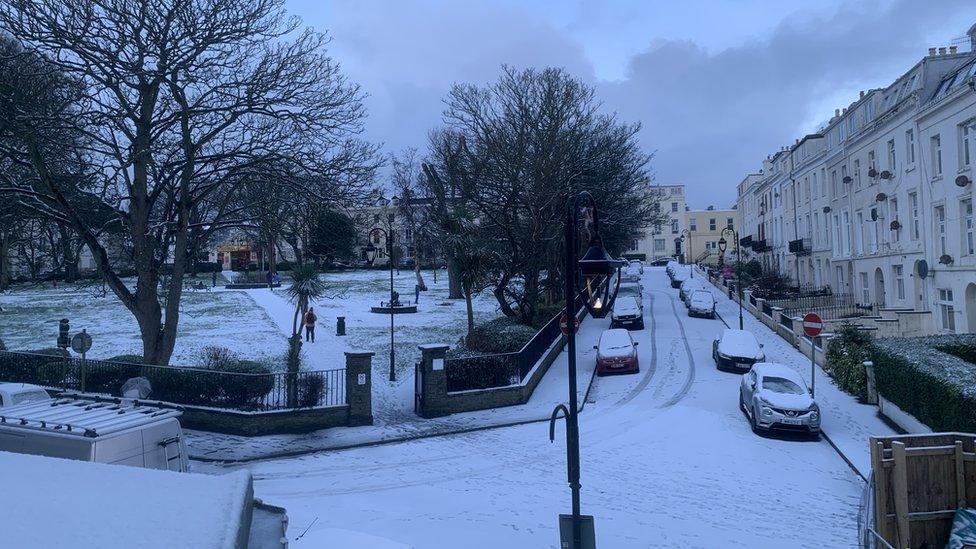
(774, 397)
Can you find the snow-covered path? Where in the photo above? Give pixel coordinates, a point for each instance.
(667, 461)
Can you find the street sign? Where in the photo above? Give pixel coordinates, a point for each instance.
(81, 342)
(564, 325)
(812, 324)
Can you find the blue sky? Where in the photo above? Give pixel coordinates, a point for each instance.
(717, 85)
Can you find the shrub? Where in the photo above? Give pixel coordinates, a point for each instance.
(500, 335)
(108, 376)
(3, 347)
(846, 354)
(481, 372)
(244, 390)
(311, 389)
(929, 378)
(218, 358)
(52, 373)
(183, 386)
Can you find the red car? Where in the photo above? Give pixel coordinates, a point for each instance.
(616, 353)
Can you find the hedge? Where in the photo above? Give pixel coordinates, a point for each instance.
(928, 378)
(846, 355)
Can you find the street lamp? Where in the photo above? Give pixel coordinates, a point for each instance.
(722, 245)
(371, 252)
(690, 254)
(595, 269)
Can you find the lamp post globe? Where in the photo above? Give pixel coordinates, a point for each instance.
(370, 252)
(596, 267)
(722, 244)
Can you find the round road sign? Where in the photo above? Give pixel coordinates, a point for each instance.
(812, 324)
(81, 342)
(564, 324)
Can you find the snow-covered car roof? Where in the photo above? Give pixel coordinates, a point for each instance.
(738, 343)
(702, 294)
(692, 284)
(12, 388)
(616, 342)
(775, 369)
(681, 274)
(626, 305)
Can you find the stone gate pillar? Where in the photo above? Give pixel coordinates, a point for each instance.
(359, 387)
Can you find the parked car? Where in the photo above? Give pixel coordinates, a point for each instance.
(631, 289)
(688, 286)
(701, 303)
(737, 350)
(627, 313)
(670, 267)
(102, 430)
(637, 264)
(616, 353)
(660, 262)
(679, 275)
(774, 397)
(12, 394)
(632, 272)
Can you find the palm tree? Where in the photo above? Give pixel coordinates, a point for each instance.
(306, 287)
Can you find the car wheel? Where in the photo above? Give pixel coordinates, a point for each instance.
(742, 404)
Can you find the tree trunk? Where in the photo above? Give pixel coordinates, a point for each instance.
(420, 277)
(500, 297)
(470, 309)
(453, 279)
(4, 260)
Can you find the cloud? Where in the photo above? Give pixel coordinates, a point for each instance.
(712, 117)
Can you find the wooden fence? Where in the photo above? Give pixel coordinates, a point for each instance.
(919, 482)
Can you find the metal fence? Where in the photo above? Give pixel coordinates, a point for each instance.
(829, 307)
(186, 386)
(767, 309)
(505, 369)
(786, 321)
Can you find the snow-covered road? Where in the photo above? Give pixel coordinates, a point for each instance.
(667, 461)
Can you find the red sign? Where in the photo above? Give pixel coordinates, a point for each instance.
(564, 325)
(812, 324)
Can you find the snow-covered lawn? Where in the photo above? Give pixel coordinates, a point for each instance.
(668, 460)
(30, 315)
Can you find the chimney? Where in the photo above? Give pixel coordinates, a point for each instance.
(931, 51)
(942, 50)
(953, 50)
(836, 113)
(972, 38)
(862, 95)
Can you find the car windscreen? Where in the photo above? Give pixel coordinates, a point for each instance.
(782, 385)
(29, 396)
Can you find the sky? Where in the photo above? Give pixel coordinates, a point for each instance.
(716, 85)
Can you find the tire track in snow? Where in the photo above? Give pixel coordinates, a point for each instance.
(649, 374)
(691, 361)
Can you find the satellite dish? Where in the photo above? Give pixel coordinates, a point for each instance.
(922, 269)
(962, 181)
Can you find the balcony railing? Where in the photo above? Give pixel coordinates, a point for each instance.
(800, 246)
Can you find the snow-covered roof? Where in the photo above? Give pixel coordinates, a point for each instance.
(702, 295)
(615, 342)
(83, 417)
(738, 343)
(626, 305)
(60, 503)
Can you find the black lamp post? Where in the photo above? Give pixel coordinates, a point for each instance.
(691, 256)
(371, 252)
(722, 245)
(595, 270)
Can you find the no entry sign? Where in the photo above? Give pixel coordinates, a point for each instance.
(812, 324)
(564, 324)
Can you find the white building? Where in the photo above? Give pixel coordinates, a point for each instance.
(878, 203)
(659, 240)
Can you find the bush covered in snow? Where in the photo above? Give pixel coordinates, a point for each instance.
(846, 354)
(499, 335)
(933, 378)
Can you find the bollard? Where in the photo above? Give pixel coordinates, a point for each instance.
(872, 388)
(64, 340)
(341, 326)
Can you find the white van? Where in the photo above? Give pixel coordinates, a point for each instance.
(12, 394)
(104, 431)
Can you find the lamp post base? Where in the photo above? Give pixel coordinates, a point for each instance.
(587, 532)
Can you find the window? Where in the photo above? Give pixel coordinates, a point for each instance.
(910, 147)
(865, 290)
(964, 158)
(857, 173)
(893, 210)
(967, 226)
(940, 220)
(935, 143)
(847, 233)
(899, 275)
(833, 183)
(659, 245)
(674, 226)
(813, 184)
(871, 163)
(674, 206)
(913, 208)
(712, 225)
(859, 233)
(947, 311)
(843, 177)
(823, 182)
(891, 155)
(729, 222)
(693, 224)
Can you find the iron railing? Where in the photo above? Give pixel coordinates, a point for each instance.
(504, 369)
(767, 309)
(786, 321)
(183, 386)
(829, 307)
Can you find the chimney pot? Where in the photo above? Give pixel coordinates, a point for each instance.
(931, 51)
(836, 112)
(862, 94)
(953, 49)
(942, 51)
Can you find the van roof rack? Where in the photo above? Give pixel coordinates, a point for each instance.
(83, 417)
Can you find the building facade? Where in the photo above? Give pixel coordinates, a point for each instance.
(658, 240)
(878, 203)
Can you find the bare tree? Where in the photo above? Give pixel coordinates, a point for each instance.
(181, 101)
(413, 208)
